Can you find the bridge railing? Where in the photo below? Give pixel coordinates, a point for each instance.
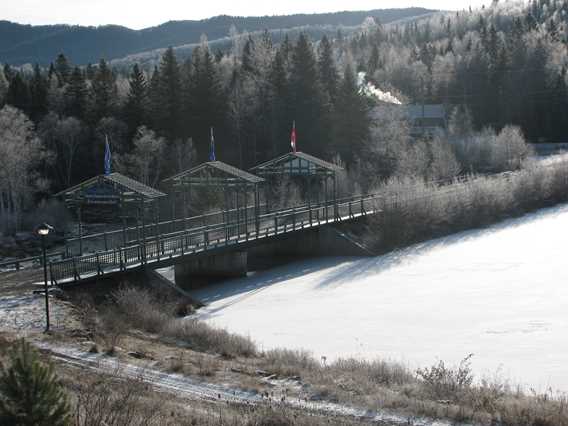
(159, 247)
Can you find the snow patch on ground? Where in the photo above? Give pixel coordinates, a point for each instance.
(26, 312)
(499, 293)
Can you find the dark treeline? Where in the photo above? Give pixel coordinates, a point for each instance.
(507, 63)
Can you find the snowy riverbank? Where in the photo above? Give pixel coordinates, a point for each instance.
(498, 293)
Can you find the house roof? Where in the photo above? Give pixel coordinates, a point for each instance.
(296, 163)
(215, 172)
(426, 111)
(127, 188)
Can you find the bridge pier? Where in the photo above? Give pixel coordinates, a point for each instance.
(193, 273)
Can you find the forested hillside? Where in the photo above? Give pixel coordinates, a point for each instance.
(20, 44)
(493, 68)
(506, 63)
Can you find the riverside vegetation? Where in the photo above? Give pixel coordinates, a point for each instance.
(440, 391)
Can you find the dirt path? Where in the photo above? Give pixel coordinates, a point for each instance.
(193, 389)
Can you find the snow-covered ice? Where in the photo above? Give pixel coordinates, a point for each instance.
(500, 293)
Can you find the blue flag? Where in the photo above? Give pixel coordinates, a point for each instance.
(212, 147)
(107, 157)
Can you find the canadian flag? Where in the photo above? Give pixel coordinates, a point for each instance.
(293, 137)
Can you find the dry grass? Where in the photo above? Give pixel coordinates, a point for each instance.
(141, 309)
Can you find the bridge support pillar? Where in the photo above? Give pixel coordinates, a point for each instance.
(194, 273)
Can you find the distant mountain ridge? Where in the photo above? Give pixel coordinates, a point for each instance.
(20, 44)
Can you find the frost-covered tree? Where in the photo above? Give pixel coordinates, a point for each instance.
(21, 153)
(145, 161)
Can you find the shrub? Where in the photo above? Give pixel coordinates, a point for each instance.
(447, 383)
(145, 311)
(30, 392)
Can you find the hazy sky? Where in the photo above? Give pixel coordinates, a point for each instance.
(141, 14)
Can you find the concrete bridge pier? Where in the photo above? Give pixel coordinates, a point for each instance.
(194, 273)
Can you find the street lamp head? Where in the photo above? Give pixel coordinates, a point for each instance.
(44, 229)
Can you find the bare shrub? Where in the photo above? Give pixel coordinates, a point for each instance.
(141, 308)
(113, 329)
(377, 371)
(443, 382)
(287, 362)
(203, 337)
(413, 210)
(113, 400)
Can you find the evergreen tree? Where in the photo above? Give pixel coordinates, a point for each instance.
(19, 94)
(154, 97)
(168, 113)
(30, 393)
(62, 69)
(307, 101)
(351, 119)
(280, 104)
(137, 101)
(38, 95)
(247, 61)
(373, 64)
(327, 70)
(207, 102)
(76, 94)
(103, 93)
(8, 72)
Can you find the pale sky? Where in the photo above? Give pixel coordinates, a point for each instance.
(140, 14)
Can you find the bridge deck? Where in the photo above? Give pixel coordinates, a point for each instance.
(167, 249)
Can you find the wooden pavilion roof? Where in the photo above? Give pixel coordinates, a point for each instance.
(296, 163)
(214, 173)
(107, 189)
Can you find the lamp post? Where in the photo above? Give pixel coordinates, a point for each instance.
(43, 231)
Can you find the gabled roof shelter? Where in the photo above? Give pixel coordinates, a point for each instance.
(306, 168)
(296, 164)
(113, 188)
(214, 173)
(219, 175)
(110, 190)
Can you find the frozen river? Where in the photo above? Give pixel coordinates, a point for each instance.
(500, 293)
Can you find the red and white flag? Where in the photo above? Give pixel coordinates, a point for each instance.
(293, 137)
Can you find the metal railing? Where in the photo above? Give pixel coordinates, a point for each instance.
(158, 248)
(17, 264)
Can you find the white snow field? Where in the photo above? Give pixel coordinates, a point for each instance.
(500, 293)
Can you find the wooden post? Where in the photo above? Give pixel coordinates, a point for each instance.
(325, 200)
(124, 238)
(246, 211)
(335, 206)
(310, 198)
(174, 213)
(256, 209)
(143, 231)
(105, 239)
